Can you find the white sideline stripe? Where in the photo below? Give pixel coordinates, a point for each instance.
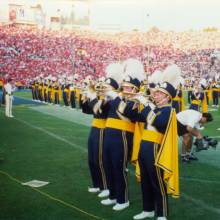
(214, 136)
(52, 135)
(187, 197)
(201, 203)
(199, 180)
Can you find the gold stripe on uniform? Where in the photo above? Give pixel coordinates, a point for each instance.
(125, 144)
(152, 136)
(215, 89)
(120, 124)
(178, 99)
(160, 181)
(101, 132)
(98, 123)
(196, 102)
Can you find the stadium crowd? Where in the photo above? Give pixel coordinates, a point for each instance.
(29, 52)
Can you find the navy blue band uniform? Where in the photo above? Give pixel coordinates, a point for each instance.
(118, 143)
(65, 89)
(215, 94)
(177, 101)
(152, 184)
(95, 147)
(49, 92)
(72, 97)
(196, 100)
(154, 188)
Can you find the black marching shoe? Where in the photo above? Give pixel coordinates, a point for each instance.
(193, 157)
(185, 159)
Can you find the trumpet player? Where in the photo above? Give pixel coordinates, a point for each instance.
(158, 154)
(197, 98)
(95, 141)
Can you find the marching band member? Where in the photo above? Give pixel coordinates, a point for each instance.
(36, 85)
(49, 90)
(190, 89)
(45, 89)
(132, 85)
(196, 98)
(65, 88)
(40, 89)
(72, 96)
(56, 91)
(158, 155)
(215, 93)
(95, 142)
(178, 100)
(203, 87)
(32, 85)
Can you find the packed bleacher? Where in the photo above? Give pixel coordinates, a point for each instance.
(26, 53)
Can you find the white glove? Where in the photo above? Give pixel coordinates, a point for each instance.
(151, 105)
(97, 107)
(91, 95)
(141, 99)
(150, 118)
(85, 93)
(111, 94)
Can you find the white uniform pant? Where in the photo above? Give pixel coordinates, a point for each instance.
(8, 105)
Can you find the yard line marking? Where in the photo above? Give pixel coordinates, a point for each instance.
(201, 203)
(214, 136)
(199, 180)
(52, 197)
(52, 135)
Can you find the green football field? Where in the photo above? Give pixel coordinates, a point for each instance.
(49, 143)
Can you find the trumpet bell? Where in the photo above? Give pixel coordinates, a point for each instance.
(102, 87)
(129, 89)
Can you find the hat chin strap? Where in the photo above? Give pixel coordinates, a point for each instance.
(164, 101)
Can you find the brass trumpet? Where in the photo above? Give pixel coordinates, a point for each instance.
(101, 88)
(128, 90)
(135, 99)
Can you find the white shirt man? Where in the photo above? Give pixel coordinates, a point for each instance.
(190, 118)
(8, 99)
(188, 124)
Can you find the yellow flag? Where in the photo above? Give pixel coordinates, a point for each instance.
(182, 104)
(138, 130)
(210, 94)
(167, 157)
(204, 104)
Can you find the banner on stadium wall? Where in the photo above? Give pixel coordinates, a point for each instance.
(12, 14)
(16, 12)
(20, 13)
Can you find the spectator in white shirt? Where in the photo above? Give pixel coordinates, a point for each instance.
(8, 98)
(188, 124)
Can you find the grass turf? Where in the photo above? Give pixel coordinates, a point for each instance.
(35, 145)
